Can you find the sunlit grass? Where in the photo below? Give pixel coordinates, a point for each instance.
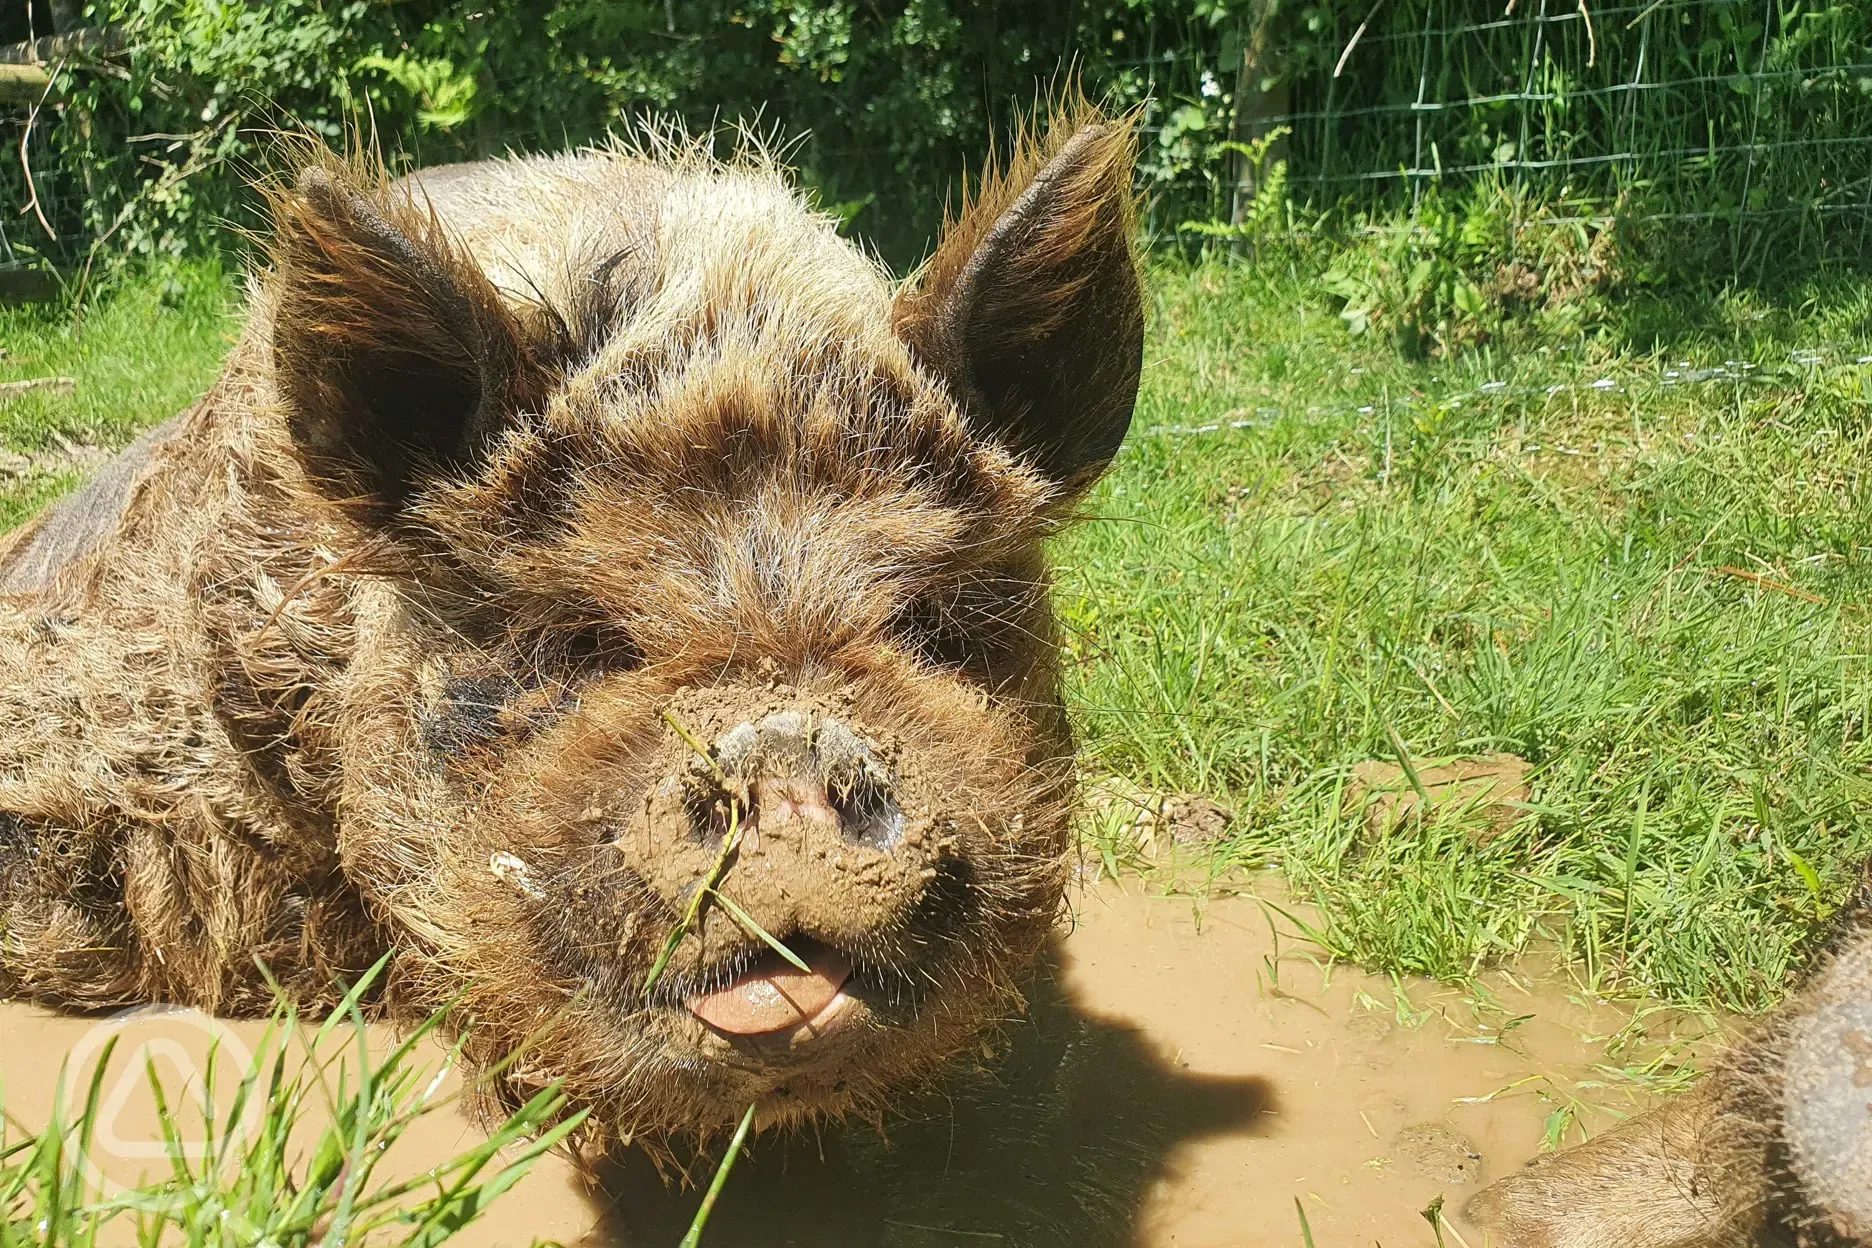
(1639, 563)
(240, 1167)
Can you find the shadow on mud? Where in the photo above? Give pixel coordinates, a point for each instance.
(1059, 1145)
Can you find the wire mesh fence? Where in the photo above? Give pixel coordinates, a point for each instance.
(1748, 118)
(1747, 123)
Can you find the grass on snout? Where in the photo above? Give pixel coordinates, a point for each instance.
(746, 920)
(709, 887)
(703, 892)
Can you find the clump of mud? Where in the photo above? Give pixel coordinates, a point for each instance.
(1490, 792)
(1151, 819)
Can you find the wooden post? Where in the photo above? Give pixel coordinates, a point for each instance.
(1255, 108)
(22, 84)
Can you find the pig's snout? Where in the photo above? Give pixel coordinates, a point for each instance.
(797, 768)
(831, 844)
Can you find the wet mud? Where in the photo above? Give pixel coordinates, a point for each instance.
(1183, 1077)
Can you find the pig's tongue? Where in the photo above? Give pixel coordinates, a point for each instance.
(774, 994)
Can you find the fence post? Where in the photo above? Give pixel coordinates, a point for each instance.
(1256, 109)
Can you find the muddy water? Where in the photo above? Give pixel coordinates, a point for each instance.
(1182, 1078)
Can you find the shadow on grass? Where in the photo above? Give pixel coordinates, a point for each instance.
(1059, 1145)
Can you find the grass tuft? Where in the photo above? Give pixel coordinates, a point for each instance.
(248, 1172)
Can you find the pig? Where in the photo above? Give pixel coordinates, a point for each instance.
(1772, 1149)
(578, 554)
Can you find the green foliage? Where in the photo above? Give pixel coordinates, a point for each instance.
(1467, 268)
(1733, 137)
(1268, 213)
(1729, 139)
(882, 109)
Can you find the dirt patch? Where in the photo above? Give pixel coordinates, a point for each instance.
(1491, 789)
(1437, 1153)
(1181, 1079)
(1150, 819)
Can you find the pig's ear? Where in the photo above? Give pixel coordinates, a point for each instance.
(393, 354)
(1031, 309)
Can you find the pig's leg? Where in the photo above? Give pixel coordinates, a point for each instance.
(64, 933)
(1826, 1102)
(1774, 1148)
(1679, 1177)
(141, 858)
(178, 913)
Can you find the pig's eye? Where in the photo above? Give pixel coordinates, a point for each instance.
(937, 637)
(592, 648)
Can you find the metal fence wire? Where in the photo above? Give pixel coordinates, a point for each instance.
(1749, 115)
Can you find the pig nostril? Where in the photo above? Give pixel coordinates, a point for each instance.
(709, 815)
(868, 814)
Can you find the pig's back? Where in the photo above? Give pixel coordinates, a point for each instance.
(72, 527)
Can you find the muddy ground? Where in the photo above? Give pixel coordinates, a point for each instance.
(1183, 1078)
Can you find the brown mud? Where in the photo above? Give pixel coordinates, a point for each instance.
(1181, 1080)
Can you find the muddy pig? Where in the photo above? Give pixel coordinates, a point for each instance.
(1773, 1149)
(554, 521)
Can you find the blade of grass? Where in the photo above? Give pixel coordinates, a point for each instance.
(701, 895)
(1410, 768)
(746, 920)
(695, 743)
(720, 1181)
(715, 872)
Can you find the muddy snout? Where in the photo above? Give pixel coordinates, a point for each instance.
(832, 844)
(798, 768)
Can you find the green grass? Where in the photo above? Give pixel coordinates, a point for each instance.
(1310, 540)
(240, 1166)
(139, 356)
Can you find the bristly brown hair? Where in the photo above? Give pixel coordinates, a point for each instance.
(1031, 304)
(612, 434)
(393, 351)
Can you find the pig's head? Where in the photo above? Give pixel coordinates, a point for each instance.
(716, 557)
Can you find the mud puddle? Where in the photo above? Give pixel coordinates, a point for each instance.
(1182, 1078)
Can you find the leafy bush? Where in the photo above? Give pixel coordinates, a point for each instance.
(881, 107)
(1516, 167)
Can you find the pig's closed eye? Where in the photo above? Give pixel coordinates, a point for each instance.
(590, 649)
(935, 635)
